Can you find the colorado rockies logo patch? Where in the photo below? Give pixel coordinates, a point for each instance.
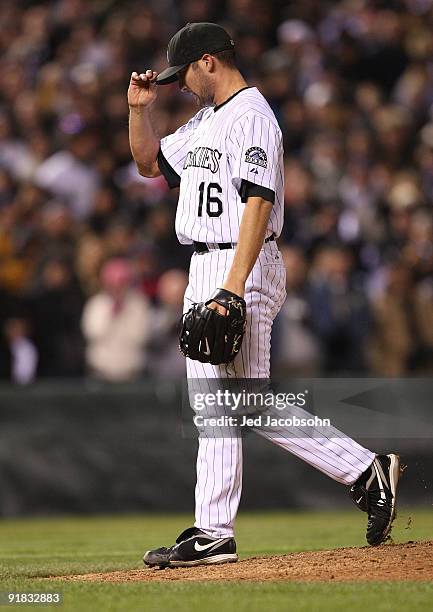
(256, 155)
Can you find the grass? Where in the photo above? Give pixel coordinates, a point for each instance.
(33, 548)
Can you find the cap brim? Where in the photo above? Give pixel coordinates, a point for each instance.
(169, 75)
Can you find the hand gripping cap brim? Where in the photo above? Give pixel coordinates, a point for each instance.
(169, 75)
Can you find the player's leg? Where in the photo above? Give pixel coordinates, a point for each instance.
(329, 451)
(219, 455)
(373, 478)
(219, 458)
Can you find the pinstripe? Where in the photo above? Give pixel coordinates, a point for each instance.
(250, 328)
(220, 473)
(231, 488)
(215, 441)
(259, 311)
(219, 145)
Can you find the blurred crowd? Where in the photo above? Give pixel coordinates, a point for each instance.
(91, 274)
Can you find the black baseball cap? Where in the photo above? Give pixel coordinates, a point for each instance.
(190, 44)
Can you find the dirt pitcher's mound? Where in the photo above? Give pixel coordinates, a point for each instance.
(410, 561)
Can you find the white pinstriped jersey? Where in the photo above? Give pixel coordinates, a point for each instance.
(213, 155)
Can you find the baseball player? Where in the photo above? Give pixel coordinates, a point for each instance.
(228, 162)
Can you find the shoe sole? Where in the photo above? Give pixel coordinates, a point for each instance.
(214, 560)
(395, 471)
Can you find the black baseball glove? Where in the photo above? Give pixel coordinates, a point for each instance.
(210, 337)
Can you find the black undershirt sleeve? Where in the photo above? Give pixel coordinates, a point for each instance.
(172, 178)
(249, 190)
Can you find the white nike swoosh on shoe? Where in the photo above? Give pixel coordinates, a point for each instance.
(199, 547)
(382, 483)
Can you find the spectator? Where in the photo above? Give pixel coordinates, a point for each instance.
(339, 311)
(297, 350)
(69, 175)
(90, 253)
(116, 324)
(165, 359)
(23, 353)
(403, 317)
(55, 304)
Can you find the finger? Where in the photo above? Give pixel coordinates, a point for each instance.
(151, 75)
(220, 309)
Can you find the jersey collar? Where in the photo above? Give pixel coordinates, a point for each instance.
(218, 106)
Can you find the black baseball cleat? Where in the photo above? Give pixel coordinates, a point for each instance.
(193, 547)
(375, 493)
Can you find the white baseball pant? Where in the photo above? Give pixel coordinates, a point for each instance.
(219, 459)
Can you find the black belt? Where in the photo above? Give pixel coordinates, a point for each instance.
(204, 247)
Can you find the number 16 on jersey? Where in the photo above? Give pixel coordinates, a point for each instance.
(214, 206)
